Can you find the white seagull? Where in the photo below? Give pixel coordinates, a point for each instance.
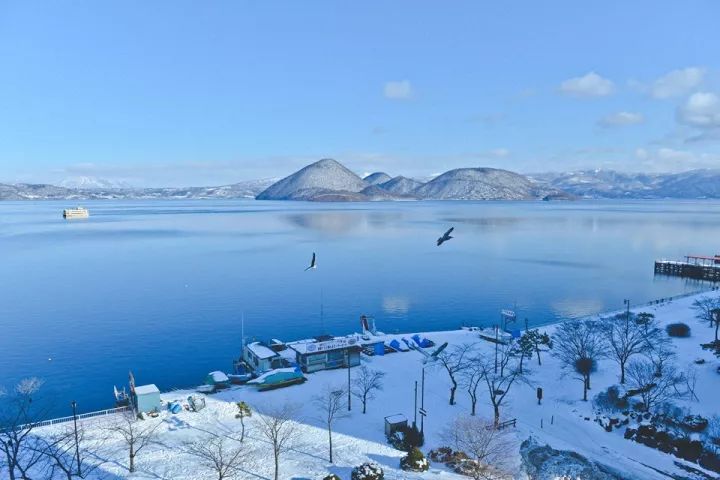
(312, 263)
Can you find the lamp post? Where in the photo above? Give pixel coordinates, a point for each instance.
(77, 442)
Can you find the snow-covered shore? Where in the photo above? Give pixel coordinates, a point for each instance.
(563, 420)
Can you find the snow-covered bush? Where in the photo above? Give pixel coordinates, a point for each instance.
(678, 330)
(406, 439)
(415, 461)
(367, 471)
(332, 476)
(611, 400)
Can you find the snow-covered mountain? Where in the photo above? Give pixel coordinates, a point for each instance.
(401, 185)
(483, 184)
(317, 179)
(613, 184)
(26, 191)
(92, 183)
(330, 180)
(377, 178)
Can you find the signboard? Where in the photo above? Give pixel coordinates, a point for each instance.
(334, 344)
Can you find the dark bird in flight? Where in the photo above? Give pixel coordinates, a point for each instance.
(446, 236)
(312, 264)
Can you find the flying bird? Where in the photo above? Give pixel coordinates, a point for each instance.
(446, 236)
(312, 263)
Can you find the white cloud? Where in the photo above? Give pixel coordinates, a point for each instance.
(674, 160)
(621, 119)
(700, 110)
(677, 82)
(499, 152)
(398, 90)
(589, 85)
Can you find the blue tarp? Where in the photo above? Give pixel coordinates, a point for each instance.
(421, 342)
(397, 346)
(379, 348)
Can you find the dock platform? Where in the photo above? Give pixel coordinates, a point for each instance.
(694, 266)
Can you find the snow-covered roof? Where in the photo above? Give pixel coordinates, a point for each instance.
(312, 346)
(145, 389)
(397, 418)
(261, 351)
(218, 376)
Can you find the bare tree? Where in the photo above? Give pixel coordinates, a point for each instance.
(66, 452)
(367, 382)
(579, 344)
(707, 309)
(661, 353)
(278, 426)
(454, 360)
(20, 413)
(626, 337)
(224, 455)
(488, 447)
(471, 378)
(136, 434)
(654, 388)
(332, 405)
(500, 374)
(689, 378)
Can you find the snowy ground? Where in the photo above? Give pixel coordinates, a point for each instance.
(360, 438)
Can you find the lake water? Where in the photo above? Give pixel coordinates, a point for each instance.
(159, 287)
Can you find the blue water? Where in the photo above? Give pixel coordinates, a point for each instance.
(159, 287)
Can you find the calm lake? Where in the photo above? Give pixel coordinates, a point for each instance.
(159, 287)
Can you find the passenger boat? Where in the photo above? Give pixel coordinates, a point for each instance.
(79, 212)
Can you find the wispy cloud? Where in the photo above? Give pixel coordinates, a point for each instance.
(589, 85)
(398, 90)
(620, 119)
(674, 83)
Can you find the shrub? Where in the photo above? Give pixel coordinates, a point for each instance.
(678, 330)
(367, 471)
(415, 461)
(332, 476)
(407, 438)
(611, 400)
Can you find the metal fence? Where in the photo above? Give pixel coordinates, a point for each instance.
(55, 421)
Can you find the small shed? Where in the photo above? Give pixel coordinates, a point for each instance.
(261, 358)
(147, 398)
(394, 423)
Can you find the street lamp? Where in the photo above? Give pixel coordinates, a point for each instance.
(73, 404)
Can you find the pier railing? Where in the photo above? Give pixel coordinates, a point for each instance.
(55, 421)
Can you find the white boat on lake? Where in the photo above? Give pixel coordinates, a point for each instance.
(79, 212)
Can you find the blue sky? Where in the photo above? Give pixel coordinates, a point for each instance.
(197, 93)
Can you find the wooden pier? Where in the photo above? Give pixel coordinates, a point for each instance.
(694, 266)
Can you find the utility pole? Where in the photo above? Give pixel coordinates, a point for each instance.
(496, 348)
(348, 388)
(77, 442)
(415, 417)
(627, 314)
(422, 403)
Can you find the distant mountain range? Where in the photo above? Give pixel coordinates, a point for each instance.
(693, 184)
(26, 191)
(329, 180)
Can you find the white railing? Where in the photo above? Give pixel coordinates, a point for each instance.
(55, 421)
